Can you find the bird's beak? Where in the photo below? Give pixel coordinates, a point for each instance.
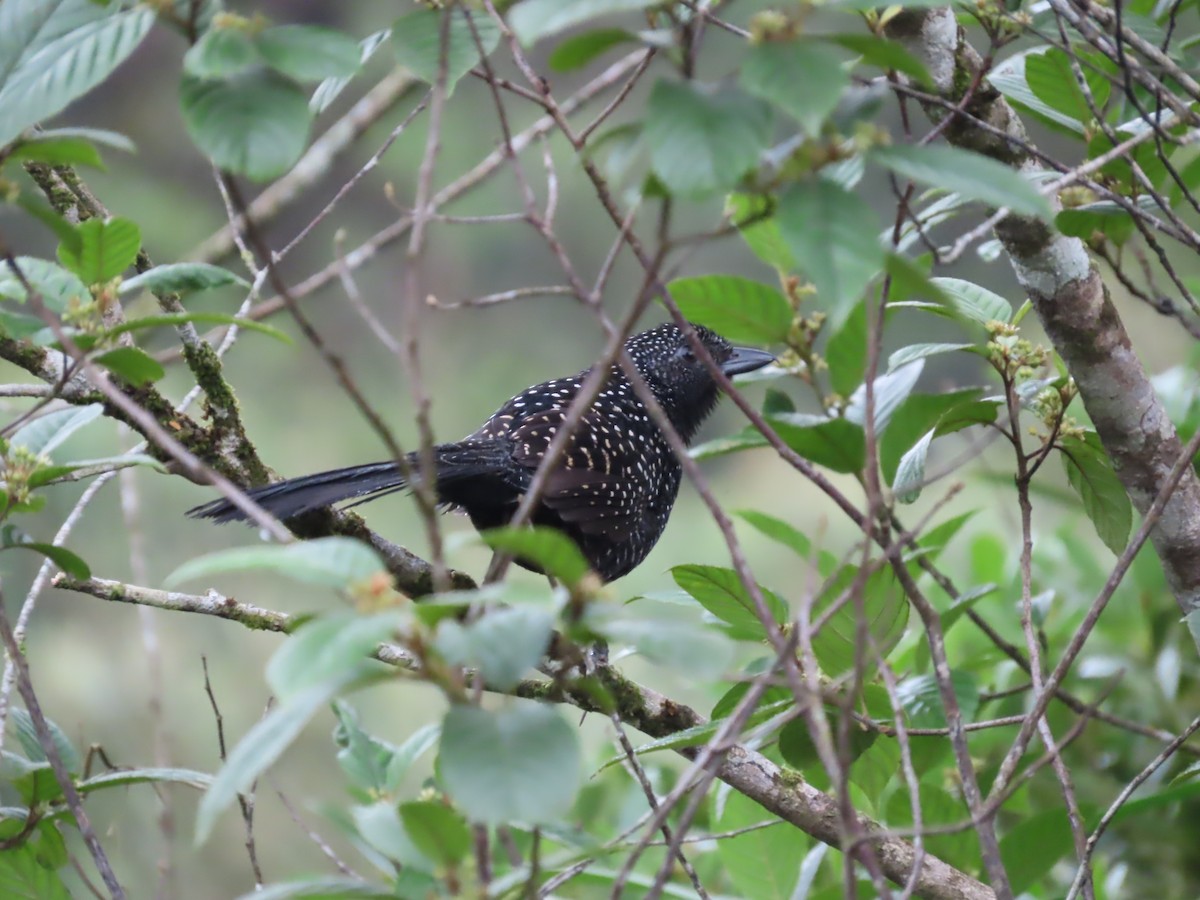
(745, 360)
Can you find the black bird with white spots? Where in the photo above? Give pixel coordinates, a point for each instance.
(611, 490)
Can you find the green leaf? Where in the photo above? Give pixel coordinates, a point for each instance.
(1050, 78)
(791, 537)
(703, 140)
(220, 53)
(253, 124)
(533, 20)
(379, 825)
(883, 53)
(40, 210)
(846, 351)
(518, 763)
(23, 877)
(503, 644)
(417, 41)
(261, 746)
(721, 592)
(773, 69)
(913, 352)
(363, 757)
(1104, 499)
(1103, 216)
(579, 50)
(13, 538)
(181, 278)
(132, 365)
(331, 88)
(54, 51)
(63, 151)
(336, 562)
(46, 432)
(888, 393)
(761, 231)
(763, 863)
(884, 606)
(551, 551)
(910, 472)
(740, 310)
(746, 439)
(327, 889)
(832, 234)
(915, 416)
(330, 649)
(973, 302)
(106, 249)
(27, 735)
(964, 602)
(59, 289)
(694, 650)
(424, 738)
(1033, 845)
(206, 317)
(836, 444)
(921, 698)
(309, 52)
(438, 831)
(972, 175)
(125, 777)
(798, 750)
(1009, 79)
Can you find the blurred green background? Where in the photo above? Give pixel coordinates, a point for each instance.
(90, 660)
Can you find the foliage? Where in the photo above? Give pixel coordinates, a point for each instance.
(881, 664)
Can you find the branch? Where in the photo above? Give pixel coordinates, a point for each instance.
(1073, 304)
(784, 793)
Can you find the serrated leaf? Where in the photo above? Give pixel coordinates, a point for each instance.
(703, 140)
(918, 414)
(206, 317)
(533, 20)
(910, 472)
(57, 50)
(740, 310)
(921, 698)
(1033, 845)
(846, 351)
(23, 877)
(791, 537)
(518, 763)
(763, 863)
(439, 831)
(579, 50)
(62, 151)
(694, 650)
(832, 235)
(47, 432)
(721, 592)
(969, 174)
(881, 52)
(973, 302)
(106, 249)
(913, 352)
(773, 69)
(331, 648)
(181, 278)
(421, 740)
(331, 88)
(503, 644)
(26, 733)
(132, 365)
(308, 52)
(254, 123)
(889, 391)
(220, 53)
(417, 41)
(552, 551)
(1050, 78)
(336, 562)
(1009, 79)
(836, 444)
(759, 231)
(125, 777)
(12, 537)
(59, 288)
(1091, 475)
(884, 607)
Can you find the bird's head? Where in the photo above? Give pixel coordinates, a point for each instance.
(679, 379)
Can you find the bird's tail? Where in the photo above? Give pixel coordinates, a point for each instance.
(295, 496)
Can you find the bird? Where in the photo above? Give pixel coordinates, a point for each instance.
(612, 489)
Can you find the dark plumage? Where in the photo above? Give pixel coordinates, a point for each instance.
(612, 489)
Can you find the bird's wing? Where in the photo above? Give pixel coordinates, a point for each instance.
(591, 486)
